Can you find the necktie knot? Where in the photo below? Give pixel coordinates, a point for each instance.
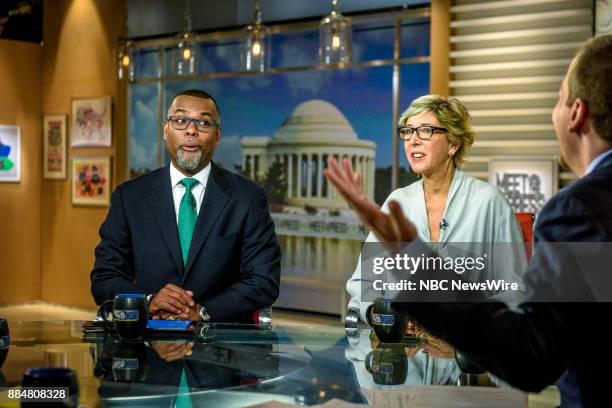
(188, 182)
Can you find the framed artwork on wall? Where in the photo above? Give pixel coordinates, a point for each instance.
(603, 17)
(54, 140)
(10, 153)
(526, 182)
(91, 122)
(91, 181)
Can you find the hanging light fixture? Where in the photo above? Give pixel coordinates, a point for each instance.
(335, 37)
(125, 65)
(186, 53)
(255, 53)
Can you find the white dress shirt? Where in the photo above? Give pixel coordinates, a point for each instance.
(178, 190)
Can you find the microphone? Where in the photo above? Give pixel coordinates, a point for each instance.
(443, 224)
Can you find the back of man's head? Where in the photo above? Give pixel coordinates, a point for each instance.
(590, 79)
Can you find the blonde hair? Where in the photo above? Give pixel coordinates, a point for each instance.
(452, 115)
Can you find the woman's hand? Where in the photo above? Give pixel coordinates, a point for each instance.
(392, 227)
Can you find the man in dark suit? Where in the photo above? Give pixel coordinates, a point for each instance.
(197, 239)
(543, 342)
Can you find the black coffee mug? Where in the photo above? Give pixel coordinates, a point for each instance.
(129, 362)
(130, 314)
(4, 340)
(390, 326)
(388, 364)
(52, 377)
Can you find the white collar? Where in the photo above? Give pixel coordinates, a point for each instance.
(202, 176)
(597, 160)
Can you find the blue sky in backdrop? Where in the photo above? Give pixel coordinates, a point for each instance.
(257, 105)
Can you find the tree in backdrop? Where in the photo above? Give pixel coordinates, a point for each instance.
(273, 182)
(382, 177)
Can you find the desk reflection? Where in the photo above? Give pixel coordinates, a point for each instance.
(154, 370)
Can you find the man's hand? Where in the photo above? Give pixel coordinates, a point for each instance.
(170, 351)
(393, 227)
(171, 299)
(193, 315)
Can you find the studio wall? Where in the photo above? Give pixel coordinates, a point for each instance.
(47, 243)
(79, 61)
(20, 203)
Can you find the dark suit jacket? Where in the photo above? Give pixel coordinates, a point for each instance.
(544, 342)
(233, 266)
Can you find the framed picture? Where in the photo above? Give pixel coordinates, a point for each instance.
(55, 147)
(526, 182)
(91, 181)
(91, 122)
(10, 153)
(603, 17)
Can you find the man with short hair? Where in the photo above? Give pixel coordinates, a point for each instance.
(195, 238)
(543, 342)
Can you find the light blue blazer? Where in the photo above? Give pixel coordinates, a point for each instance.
(476, 212)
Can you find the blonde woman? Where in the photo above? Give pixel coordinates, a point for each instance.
(446, 205)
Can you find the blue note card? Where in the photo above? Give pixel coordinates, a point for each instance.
(168, 324)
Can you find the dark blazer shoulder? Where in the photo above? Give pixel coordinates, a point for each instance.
(146, 180)
(580, 211)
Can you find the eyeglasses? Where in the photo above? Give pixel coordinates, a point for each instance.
(423, 132)
(203, 125)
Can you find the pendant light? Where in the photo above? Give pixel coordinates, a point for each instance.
(335, 37)
(125, 65)
(255, 50)
(185, 59)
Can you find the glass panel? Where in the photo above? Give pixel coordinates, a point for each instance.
(415, 40)
(219, 56)
(144, 129)
(297, 49)
(146, 62)
(372, 42)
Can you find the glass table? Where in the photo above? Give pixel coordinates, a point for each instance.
(235, 365)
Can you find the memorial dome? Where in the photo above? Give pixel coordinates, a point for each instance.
(314, 120)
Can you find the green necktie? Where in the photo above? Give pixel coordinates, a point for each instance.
(183, 398)
(186, 224)
(187, 216)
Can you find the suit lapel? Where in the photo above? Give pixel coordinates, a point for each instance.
(215, 199)
(163, 205)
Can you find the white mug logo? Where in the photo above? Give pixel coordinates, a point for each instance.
(4, 342)
(384, 319)
(125, 363)
(126, 315)
(382, 368)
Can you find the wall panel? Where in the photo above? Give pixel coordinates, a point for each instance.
(508, 58)
(79, 60)
(20, 204)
